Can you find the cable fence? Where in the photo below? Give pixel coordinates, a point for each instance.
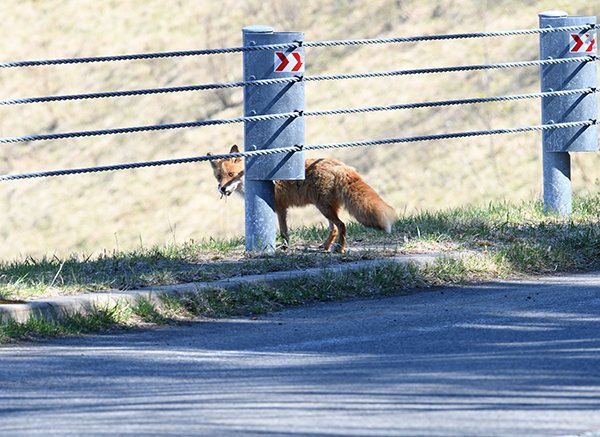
(296, 148)
(331, 43)
(296, 78)
(291, 115)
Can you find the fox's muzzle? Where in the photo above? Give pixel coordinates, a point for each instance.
(229, 187)
(224, 191)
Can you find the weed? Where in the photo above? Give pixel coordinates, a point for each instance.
(97, 319)
(148, 312)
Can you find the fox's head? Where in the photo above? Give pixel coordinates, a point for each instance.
(229, 173)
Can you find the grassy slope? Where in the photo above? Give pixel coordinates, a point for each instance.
(127, 209)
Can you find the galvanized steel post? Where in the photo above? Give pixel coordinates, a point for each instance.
(557, 143)
(260, 172)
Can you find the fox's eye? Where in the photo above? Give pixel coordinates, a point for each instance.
(230, 174)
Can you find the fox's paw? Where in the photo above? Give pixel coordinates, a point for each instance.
(338, 248)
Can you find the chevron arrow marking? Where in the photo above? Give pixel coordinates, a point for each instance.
(283, 62)
(292, 62)
(578, 44)
(299, 63)
(591, 47)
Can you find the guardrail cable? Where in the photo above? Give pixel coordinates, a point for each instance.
(471, 35)
(477, 67)
(365, 143)
(148, 128)
(291, 115)
(144, 56)
(476, 100)
(129, 93)
(583, 124)
(218, 51)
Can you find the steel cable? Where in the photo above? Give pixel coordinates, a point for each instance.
(331, 43)
(476, 100)
(365, 143)
(289, 115)
(283, 80)
(144, 56)
(129, 93)
(392, 40)
(148, 128)
(295, 114)
(478, 67)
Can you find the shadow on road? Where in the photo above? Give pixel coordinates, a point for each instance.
(489, 353)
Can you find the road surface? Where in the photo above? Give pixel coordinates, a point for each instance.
(499, 359)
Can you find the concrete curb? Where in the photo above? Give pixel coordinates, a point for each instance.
(54, 308)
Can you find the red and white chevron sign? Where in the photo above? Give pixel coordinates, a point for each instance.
(293, 62)
(582, 43)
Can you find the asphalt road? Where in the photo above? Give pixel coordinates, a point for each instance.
(501, 359)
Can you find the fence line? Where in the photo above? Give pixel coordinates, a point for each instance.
(365, 143)
(291, 115)
(492, 34)
(241, 84)
(148, 128)
(143, 56)
(583, 124)
(331, 43)
(478, 67)
(129, 93)
(476, 100)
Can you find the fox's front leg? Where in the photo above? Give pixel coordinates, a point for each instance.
(283, 229)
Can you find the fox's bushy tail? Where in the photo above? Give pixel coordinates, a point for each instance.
(365, 205)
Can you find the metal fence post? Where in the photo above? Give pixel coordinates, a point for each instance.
(557, 143)
(261, 171)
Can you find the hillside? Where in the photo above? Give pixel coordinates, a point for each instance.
(122, 210)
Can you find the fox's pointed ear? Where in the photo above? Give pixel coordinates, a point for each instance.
(213, 163)
(235, 149)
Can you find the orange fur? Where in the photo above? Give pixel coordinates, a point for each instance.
(329, 184)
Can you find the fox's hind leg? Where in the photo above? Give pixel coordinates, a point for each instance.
(336, 228)
(332, 234)
(340, 244)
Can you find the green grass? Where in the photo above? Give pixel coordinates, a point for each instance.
(204, 261)
(520, 239)
(510, 239)
(97, 320)
(502, 240)
(246, 299)
(264, 297)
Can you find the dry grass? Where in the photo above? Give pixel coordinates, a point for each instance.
(173, 204)
(503, 239)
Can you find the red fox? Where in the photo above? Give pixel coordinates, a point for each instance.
(329, 184)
